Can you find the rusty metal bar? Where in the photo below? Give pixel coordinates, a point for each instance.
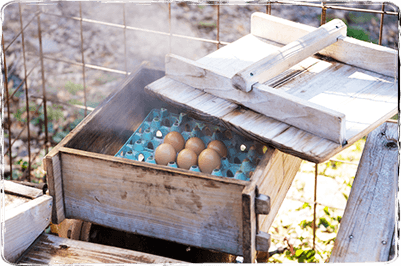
(26, 94)
(323, 14)
(269, 8)
(16, 36)
(218, 27)
(314, 209)
(43, 85)
(140, 29)
(23, 81)
(340, 8)
(8, 107)
(65, 103)
(22, 130)
(125, 41)
(83, 57)
(169, 27)
(381, 25)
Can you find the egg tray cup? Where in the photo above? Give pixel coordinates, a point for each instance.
(242, 157)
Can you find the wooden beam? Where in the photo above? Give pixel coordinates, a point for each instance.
(50, 249)
(368, 224)
(21, 190)
(262, 241)
(249, 226)
(351, 51)
(262, 204)
(53, 171)
(289, 55)
(24, 224)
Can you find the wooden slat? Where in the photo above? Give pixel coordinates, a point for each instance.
(249, 226)
(22, 190)
(368, 224)
(50, 249)
(158, 201)
(289, 55)
(54, 178)
(358, 53)
(24, 224)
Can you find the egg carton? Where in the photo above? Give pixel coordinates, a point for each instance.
(242, 155)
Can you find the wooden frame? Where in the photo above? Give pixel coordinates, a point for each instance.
(27, 214)
(217, 213)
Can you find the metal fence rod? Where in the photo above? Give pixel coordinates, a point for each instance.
(83, 57)
(8, 105)
(314, 208)
(169, 27)
(19, 33)
(269, 8)
(381, 26)
(66, 104)
(218, 27)
(323, 14)
(140, 29)
(22, 130)
(87, 65)
(311, 202)
(43, 84)
(26, 93)
(23, 81)
(125, 41)
(341, 8)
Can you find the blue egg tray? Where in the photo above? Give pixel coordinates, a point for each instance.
(242, 158)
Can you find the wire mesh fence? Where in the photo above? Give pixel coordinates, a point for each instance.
(62, 59)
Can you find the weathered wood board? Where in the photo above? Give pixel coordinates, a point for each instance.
(25, 220)
(50, 249)
(367, 227)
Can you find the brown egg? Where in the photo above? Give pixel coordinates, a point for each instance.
(186, 158)
(176, 140)
(219, 147)
(208, 160)
(195, 144)
(164, 154)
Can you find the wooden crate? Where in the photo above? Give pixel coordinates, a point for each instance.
(197, 209)
(27, 213)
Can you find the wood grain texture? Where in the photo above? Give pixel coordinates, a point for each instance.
(368, 224)
(351, 51)
(289, 55)
(24, 224)
(157, 201)
(262, 241)
(50, 249)
(249, 226)
(262, 204)
(55, 181)
(22, 190)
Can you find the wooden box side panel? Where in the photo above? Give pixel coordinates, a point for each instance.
(24, 224)
(275, 182)
(152, 201)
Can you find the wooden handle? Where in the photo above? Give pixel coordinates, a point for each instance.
(289, 55)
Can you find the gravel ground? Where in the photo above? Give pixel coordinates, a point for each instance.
(103, 45)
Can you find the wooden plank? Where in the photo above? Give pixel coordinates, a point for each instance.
(158, 201)
(368, 224)
(289, 55)
(55, 181)
(249, 226)
(358, 53)
(22, 190)
(262, 204)
(263, 241)
(24, 224)
(50, 249)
